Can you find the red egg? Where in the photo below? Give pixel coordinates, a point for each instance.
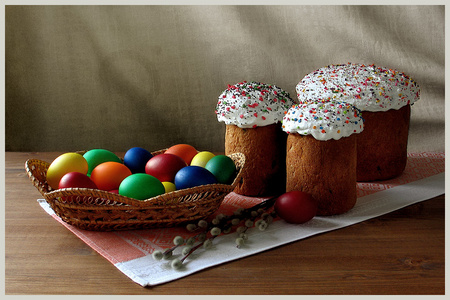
(296, 207)
(108, 175)
(186, 152)
(76, 180)
(164, 166)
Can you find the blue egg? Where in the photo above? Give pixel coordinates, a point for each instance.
(136, 158)
(191, 176)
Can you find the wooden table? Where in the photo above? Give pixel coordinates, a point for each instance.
(398, 253)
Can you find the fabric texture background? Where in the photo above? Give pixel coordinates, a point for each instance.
(115, 77)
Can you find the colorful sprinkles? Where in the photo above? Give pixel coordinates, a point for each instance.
(252, 104)
(369, 88)
(324, 119)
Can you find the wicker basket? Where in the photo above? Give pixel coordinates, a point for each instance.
(93, 209)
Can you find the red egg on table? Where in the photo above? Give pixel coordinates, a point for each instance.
(185, 151)
(296, 207)
(108, 175)
(164, 166)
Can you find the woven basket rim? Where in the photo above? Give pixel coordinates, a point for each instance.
(156, 201)
(93, 209)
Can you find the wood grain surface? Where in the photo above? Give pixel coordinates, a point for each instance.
(398, 253)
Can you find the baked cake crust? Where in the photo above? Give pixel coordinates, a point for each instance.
(325, 169)
(382, 145)
(264, 150)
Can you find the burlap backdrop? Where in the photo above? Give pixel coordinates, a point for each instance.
(114, 77)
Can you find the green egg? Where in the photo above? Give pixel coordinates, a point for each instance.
(141, 186)
(95, 157)
(222, 167)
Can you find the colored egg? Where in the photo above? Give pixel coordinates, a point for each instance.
(63, 164)
(141, 186)
(136, 158)
(95, 157)
(222, 167)
(108, 175)
(164, 166)
(186, 152)
(169, 186)
(76, 180)
(191, 176)
(201, 158)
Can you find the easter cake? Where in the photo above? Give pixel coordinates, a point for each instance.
(385, 97)
(321, 153)
(252, 112)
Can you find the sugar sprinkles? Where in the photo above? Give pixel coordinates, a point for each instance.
(252, 104)
(369, 88)
(324, 119)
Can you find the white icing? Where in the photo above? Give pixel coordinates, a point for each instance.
(324, 120)
(369, 88)
(252, 104)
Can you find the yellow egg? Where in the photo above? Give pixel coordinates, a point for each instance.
(201, 158)
(169, 186)
(63, 164)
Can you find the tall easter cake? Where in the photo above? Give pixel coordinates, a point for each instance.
(321, 153)
(252, 112)
(385, 97)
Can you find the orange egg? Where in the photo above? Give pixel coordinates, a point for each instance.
(186, 152)
(108, 175)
